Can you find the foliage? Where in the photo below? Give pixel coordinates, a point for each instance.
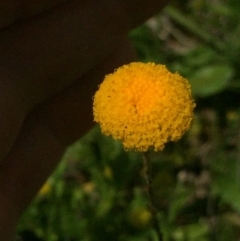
(98, 193)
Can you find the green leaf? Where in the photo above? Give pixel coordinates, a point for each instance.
(211, 79)
(195, 231)
(225, 180)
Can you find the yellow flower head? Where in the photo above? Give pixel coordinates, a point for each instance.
(144, 105)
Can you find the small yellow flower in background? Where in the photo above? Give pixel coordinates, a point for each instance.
(144, 105)
(107, 172)
(45, 189)
(140, 217)
(88, 187)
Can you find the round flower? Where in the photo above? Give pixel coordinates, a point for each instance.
(144, 105)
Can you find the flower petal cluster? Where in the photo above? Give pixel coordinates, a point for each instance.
(144, 105)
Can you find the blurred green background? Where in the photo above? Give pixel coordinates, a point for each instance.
(97, 193)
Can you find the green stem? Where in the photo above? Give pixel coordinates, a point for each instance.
(152, 207)
(194, 27)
